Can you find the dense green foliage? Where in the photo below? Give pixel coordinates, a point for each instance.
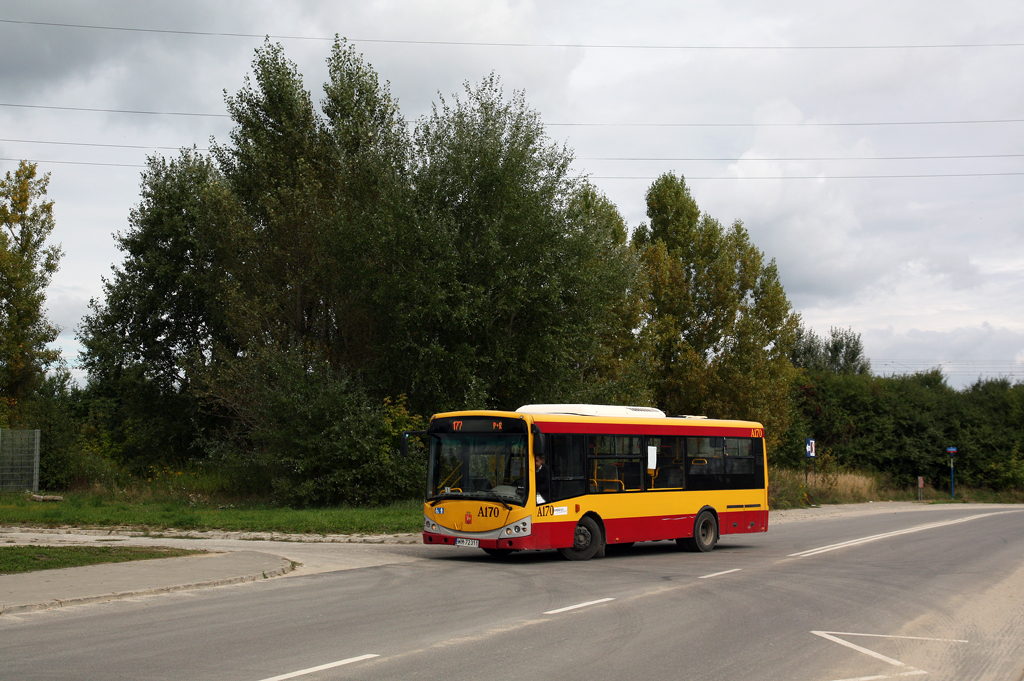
(902, 425)
(327, 277)
(280, 298)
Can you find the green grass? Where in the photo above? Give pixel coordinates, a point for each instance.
(16, 559)
(92, 510)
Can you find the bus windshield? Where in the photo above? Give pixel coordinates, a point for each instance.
(478, 466)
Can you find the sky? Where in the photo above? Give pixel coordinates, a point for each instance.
(874, 150)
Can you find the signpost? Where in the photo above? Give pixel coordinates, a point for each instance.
(952, 486)
(809, 446)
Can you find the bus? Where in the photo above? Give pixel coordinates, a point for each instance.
(611, 475)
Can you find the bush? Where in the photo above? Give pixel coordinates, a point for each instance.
(311, 432)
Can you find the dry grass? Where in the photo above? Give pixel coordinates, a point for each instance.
(790, 489)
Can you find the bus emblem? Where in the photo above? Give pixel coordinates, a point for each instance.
(469, 518)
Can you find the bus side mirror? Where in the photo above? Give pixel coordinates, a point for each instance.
(538, 441)
(403, 445)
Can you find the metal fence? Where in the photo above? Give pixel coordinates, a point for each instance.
(19, 460)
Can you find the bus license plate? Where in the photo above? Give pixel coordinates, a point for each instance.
(474, 543)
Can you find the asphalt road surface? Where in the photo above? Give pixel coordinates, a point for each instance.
(931, 593)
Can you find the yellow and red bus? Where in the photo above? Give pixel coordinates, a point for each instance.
(613, 475)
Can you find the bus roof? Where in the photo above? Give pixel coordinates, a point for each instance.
(604, 410)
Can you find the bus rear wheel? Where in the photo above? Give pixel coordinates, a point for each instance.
(586, 540)
(705, 534)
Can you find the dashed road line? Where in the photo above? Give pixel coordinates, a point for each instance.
(320, 668)
(578, 605)
(718, 574)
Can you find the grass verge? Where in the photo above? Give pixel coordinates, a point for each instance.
(93, 510)
(17, 559)
(791, 489)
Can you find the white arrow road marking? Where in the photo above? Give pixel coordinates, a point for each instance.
(908, 670)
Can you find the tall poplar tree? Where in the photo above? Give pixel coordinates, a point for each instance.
(26, 266)
(720, 322)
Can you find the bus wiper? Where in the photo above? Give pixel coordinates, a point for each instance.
(495, 497)
(445, 496)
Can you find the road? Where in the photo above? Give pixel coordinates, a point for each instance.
(931, 593)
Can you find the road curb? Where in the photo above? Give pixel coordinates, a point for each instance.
(286, 567)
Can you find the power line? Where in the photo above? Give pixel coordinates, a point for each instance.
(618, 125)
(93, 144)
(782, 125)
(585, 158)
(514, 44)
(78, 163)
(626, 177)
(119, 111)
(808, 177)
(802, 158)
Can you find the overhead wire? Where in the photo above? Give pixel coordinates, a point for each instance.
(571, 124)
(478, 43)
(588, 158)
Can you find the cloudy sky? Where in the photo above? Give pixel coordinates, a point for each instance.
(875, 149)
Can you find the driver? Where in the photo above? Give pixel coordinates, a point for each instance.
(543, 477)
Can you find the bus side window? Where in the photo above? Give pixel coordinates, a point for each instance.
(567, 461)
(744, 463)
(669, 473)
(615, 463)
(704, 463)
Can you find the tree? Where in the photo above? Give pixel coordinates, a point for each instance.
(164, 311)
(841, 353)
(511, 268)
(26, 267)
(722, 328)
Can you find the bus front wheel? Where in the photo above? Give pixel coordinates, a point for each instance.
(586, 540)
(705, 534)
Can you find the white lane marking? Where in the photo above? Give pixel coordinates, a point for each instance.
(876, 537)
(716, 574)
(578, 605)
(908, 638)
(330, 665)
(916, 672)
(910, 671)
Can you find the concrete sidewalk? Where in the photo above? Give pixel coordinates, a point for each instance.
(46, 589)
(232, 557)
